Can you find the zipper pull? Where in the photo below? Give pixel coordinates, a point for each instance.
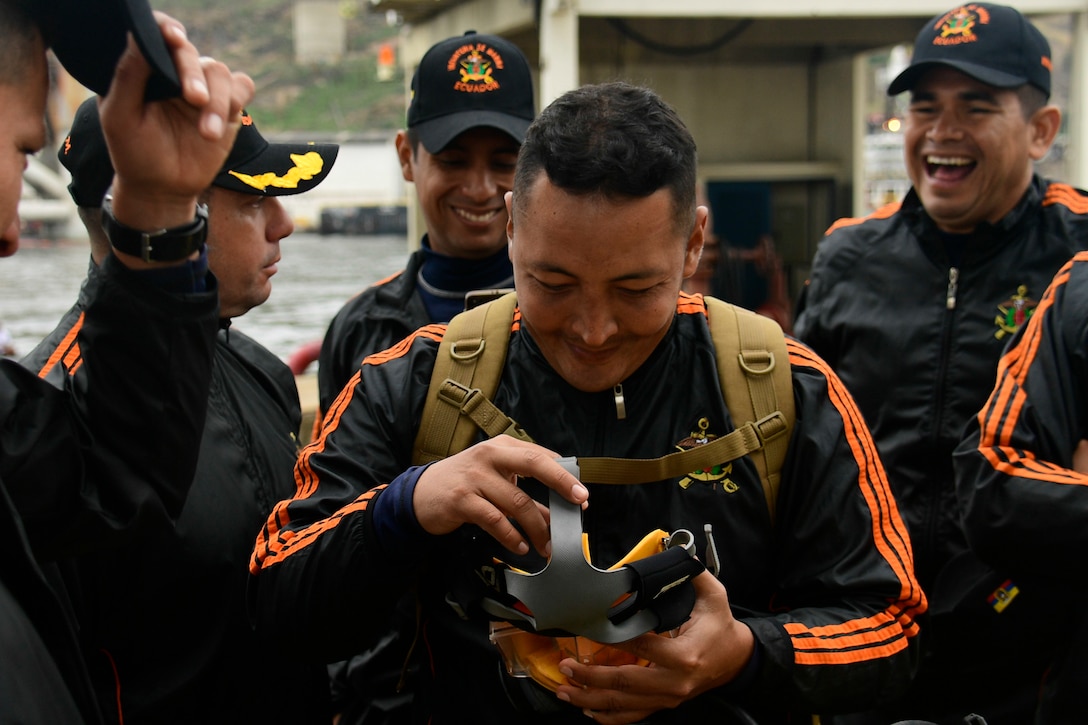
(621, 408)
(953, 283)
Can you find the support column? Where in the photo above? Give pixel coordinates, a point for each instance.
(1077, 109)
(559, 50)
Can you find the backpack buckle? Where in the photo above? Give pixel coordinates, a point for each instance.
(770, 426)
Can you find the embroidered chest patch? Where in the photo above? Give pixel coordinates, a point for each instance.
(1014, 312)
(713, 477)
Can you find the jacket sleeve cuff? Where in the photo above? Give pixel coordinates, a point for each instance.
(394, 518)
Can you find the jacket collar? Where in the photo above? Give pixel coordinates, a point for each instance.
(988, 237)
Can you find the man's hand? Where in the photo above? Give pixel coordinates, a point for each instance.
(710, 650)
(1080, 457)
(166, 153)
(479, 486)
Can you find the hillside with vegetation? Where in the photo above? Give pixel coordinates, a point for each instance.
(256, 36)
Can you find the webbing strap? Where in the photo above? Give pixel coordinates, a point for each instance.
(744, 440)
(455, 409)
(485, 414)
(759, 348)
(463, 358)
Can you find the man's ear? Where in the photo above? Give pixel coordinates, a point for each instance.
(694, 250)
(1043, 125)
(508, 197)
(404, 154)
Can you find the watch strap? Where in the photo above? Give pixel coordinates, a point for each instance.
(163, 245)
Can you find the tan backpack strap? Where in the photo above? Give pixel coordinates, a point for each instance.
(472, 353)
(471, 402)
(752, 357)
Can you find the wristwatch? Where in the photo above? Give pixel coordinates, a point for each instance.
(164, 245)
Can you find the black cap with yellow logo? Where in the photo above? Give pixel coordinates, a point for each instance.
(469, 81)
(256, 166)
(993, 44)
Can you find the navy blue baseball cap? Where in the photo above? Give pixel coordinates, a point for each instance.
(469, 81)
(993, 44)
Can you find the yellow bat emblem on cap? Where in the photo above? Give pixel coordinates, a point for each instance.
(307, 166)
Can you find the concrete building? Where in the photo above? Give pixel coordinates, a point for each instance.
(785, 99)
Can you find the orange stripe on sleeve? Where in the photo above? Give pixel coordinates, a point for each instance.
(1001, 413)
(1067, 196)
(274, 543)
(882, 213)
(888, 631)
(64, 348)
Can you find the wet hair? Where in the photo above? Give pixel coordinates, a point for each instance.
(20, 40)
(616, 140)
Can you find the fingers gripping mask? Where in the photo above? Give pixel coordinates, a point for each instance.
(571, 601)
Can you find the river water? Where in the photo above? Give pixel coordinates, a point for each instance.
(316, 276)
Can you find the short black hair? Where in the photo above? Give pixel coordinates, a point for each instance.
(1031, 99)
(413, 139)
(20, 38)
(614, 139)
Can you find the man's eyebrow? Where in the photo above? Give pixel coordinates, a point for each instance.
(977, 95)
(549, 267)
(969, 96)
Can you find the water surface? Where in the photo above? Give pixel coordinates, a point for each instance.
(316, 276)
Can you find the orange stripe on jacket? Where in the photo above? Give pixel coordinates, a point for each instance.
(882, 213)
(834, 644)
(64, 347)
(998, 418)
(273, 543)
(1067, 196)
(823, 645)
(862, 640)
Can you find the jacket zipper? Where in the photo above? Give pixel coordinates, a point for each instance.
(953, 285)
(938, 394)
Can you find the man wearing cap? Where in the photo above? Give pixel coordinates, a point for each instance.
(112, 453)
(913, 305)
(171, 661)
(803, 609)
(472, 99)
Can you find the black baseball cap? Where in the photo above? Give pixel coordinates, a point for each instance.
(469, 81)
(89, 36)
(258, 167)
(254, 166)
(86, 157)
(993, 44)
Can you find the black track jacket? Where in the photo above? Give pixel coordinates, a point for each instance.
(108, 454)
(827, 589)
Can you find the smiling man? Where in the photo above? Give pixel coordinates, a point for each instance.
(606, 357)
(914, 304)
(472, 99)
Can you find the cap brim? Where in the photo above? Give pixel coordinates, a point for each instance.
(437, 133)
(89, 36)
(906, 80)
(281, 169)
